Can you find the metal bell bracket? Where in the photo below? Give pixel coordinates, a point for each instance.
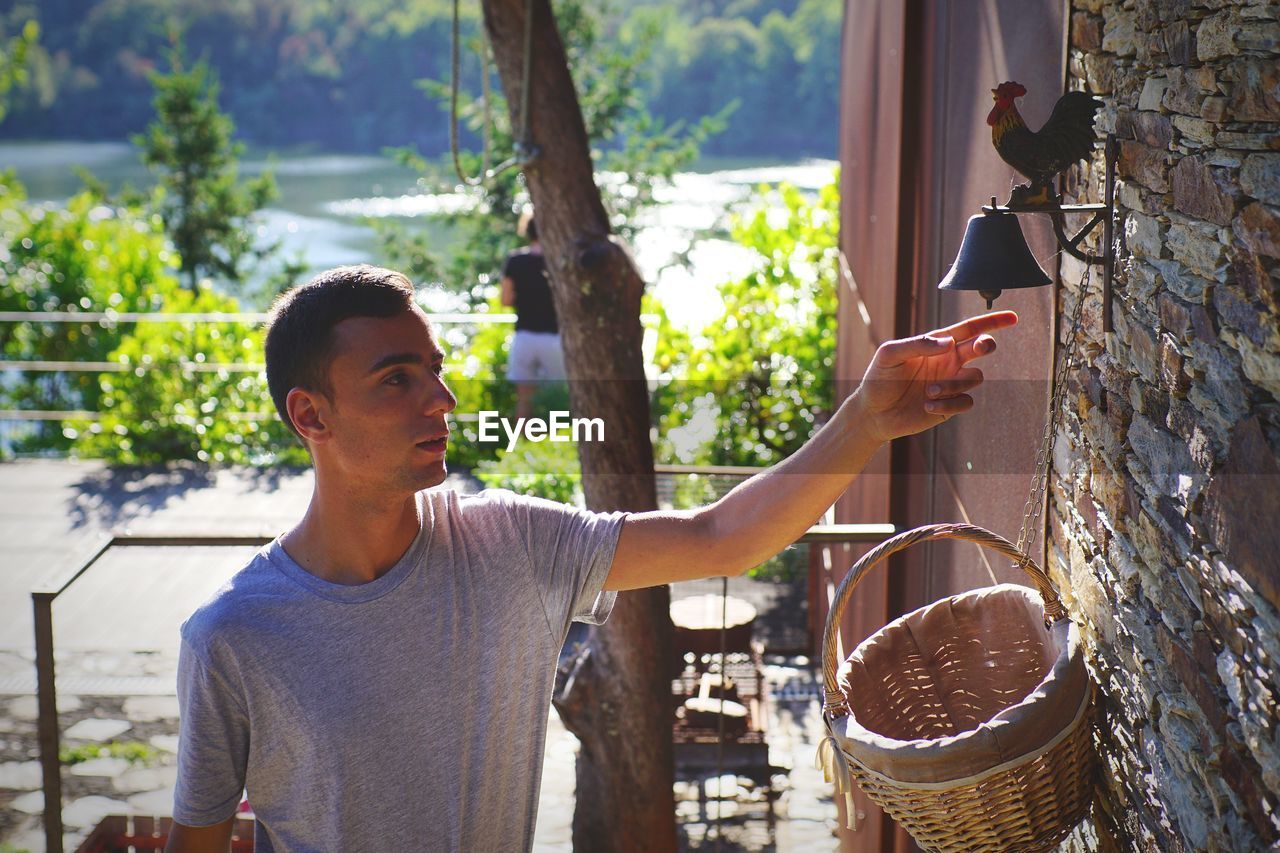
(1104, 213)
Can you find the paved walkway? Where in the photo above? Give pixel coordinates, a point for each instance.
(116, 630)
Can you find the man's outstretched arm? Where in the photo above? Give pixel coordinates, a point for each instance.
(200, 839)
(910, 386)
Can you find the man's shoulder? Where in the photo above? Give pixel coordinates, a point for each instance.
(491, 509)
(234, 604)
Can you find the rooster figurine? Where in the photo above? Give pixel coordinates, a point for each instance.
(1040, 154)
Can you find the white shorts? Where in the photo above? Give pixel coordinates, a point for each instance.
(535, 356)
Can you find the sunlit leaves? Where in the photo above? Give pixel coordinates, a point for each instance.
(763, 373)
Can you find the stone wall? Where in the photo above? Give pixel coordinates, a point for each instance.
(1165, 507)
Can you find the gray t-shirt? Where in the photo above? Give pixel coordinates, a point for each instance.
(408, 713)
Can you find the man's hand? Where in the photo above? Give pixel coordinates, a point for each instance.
(917, 383)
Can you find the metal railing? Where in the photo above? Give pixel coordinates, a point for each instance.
(110, 318)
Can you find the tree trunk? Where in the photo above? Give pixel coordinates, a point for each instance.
(620, 705)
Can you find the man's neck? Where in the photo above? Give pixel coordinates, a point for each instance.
(350, 541)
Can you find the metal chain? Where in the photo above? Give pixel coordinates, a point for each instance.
(1040, 480)
(525, 151)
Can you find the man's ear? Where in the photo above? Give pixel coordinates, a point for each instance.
(309, 412)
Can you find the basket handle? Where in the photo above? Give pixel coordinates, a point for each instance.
(833, 700)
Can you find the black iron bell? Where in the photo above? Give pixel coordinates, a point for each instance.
(994, 256)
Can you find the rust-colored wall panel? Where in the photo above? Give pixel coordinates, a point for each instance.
(917, 161)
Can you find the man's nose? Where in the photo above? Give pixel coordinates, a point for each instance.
(441, 399)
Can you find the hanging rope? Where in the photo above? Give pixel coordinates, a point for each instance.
(1040, 479)
(525, 151)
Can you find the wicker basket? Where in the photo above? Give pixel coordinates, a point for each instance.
(967, 721)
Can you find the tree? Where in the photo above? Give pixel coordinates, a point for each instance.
(205, 207)
(620, 706)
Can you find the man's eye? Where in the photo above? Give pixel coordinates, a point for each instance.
(395, 379)
(437, 368)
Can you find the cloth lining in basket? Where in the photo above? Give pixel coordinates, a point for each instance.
(922, 710)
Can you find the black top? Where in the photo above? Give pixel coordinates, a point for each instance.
(535, 312)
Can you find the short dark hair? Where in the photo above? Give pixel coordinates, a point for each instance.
(300, 329)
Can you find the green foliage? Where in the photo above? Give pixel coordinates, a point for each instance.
(544, 469)
(206, 209)
(185, 397)
(750, 388)
(13, 62)
(133, 751)
(93, 258)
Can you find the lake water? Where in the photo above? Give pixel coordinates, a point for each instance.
(326, 201)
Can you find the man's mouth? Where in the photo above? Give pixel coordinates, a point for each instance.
(435, 445)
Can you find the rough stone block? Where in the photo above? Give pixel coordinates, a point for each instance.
(1086, 32)
(1182, 282)
(1184, 93)
(1148, 400)
(1251, 276)
(1261, 366)
(1100, 72)
(1259, 35)
(1214, 108)
(1258, 227)
(1195, 132)
(1136, 197)
(1180, 43)
(1202, 685)
(1236, 310)
(1172, 379)
(1241, 772)
(1175, 315)
(1204, 191)
(1199, 251)
(1147, 165)
(1119, 31)
(1168, 465)
(1145, 357)
(1260, 177)
(1216, 36)
(1241, 506)
(1249, 141)
(1170, 11)
(1255, 90)
(1140, 280)
(1142, 235)
(1149, 49)
(1152, 128)
(1153, 91)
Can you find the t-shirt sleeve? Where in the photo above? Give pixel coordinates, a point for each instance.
(571, 552)
(507, 267)
(213, 744)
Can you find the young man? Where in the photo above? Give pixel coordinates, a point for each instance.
(379, 676)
